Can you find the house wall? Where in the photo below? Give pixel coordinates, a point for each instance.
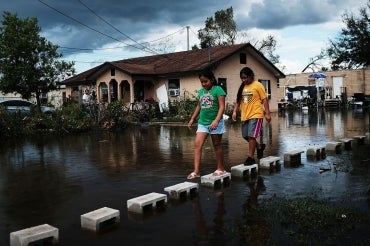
(231, 71)
(189, 85)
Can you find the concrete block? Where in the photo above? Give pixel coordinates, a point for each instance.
(293, 158)
(347, 142)
(360, 140)
(184, 189)
(316, 151)
(270, 162)
(213, 181)
(93, 219)
(151, 200)
(243, 170)
(334, 146)
(34, 234)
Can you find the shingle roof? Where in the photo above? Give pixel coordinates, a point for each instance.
(172, 63)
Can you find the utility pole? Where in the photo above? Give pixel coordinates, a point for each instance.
(187, 29)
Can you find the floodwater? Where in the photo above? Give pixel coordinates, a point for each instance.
(56, 180)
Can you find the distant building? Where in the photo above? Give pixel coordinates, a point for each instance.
(343, 84)
(55, 98)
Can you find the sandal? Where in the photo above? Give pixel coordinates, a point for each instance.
(193, 175)
(218, 172)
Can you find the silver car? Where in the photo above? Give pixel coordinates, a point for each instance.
(22, 106)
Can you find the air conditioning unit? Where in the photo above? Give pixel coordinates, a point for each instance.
(174, 92)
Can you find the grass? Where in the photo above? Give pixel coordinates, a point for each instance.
(308, 220)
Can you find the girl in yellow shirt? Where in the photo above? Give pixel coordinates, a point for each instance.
(253, 103)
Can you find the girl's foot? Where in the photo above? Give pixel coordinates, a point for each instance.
(193, 175)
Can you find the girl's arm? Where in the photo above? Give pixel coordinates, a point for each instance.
(236, 107)
(266, 106)
(221, 110)
(195, 115)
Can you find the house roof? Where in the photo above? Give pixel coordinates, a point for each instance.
(173, 64)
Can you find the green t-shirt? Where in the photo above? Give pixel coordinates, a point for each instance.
(209, 104)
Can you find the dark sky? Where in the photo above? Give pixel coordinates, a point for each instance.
(96, 24)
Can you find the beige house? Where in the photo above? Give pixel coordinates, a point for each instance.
(344, 84)
(174, 76)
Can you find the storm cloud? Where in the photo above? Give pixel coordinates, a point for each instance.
(85, 26)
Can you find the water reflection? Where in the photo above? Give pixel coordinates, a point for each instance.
(210, 232)
(55, 180)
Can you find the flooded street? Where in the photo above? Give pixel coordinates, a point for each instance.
(56, 180)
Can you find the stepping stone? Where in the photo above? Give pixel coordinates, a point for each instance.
(151, 200)
(347, 143)
(34, 234)
(243, 170)
(360, 139)
(334, 146)
(93, 220)
(212, 181)
(293, 158)
(316, 151)
(184, 189)
(270, 162)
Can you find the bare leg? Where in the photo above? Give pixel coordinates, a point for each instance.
(216, 140)
(198, 145)
(252, 146)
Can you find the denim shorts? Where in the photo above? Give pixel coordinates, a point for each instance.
(219, 130)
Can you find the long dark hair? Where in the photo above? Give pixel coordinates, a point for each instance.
(209, 75)
(247, 72)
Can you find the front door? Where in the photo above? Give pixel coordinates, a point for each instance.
(337, 87)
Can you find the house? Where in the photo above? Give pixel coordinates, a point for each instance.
(173, 76)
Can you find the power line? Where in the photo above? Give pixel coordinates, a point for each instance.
(93, 29)
(106, 22)
(119, 47)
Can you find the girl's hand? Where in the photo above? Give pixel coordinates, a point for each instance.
(214, 125)
(268, 117)
(234, 116)
(190, 123)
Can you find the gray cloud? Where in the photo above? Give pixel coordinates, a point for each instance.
(75, 26)
(277, 14)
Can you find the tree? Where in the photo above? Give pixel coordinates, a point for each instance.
(315, 64)
(352, 48)
(220, 30)
(267, 47)
(29, 63)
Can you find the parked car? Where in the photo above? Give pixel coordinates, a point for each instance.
(23, 106)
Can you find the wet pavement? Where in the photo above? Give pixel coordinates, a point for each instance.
(56, 180)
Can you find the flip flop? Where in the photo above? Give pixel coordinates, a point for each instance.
(218, 173)
(193, 175)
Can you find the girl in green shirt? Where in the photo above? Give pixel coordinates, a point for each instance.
(210, 108)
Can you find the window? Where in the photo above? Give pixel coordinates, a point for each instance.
(222, 83)
(174, 87)
(267, 85)
(113, 72)
(243, 58)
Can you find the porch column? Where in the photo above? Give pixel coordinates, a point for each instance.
(132, 92)
(109, 100)
(119, 88)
